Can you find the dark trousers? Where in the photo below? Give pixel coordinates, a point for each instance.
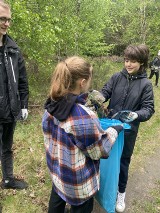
(156, 74)
(129, 143)
(6, 153)
(57, 205)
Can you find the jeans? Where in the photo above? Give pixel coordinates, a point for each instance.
(57, 205)
(6, 153)
(129, 143)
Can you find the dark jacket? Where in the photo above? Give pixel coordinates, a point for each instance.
(14, 85)
(128, 92)
(154, 63)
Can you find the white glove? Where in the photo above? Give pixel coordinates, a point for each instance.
(132, 116)
(24, 114)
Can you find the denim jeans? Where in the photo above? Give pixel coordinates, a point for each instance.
(6, 153)
(57, 205)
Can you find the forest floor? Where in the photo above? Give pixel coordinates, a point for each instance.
(141, 185)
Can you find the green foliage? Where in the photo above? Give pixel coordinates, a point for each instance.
(49, 30)
(44, 30)
(39, 85)
(103, 66)
(133, 22)
(34, 29)
(79, 28)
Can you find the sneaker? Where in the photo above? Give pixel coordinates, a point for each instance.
(120, 204)
(14, 183)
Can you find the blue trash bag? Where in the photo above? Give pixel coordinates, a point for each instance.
(109, 169)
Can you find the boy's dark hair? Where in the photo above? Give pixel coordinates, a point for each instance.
(138, 53)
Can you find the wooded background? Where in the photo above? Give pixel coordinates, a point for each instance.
(52, 29)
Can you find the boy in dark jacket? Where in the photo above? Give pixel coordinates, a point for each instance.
(130, 90)
(155, 67)
(13, 97)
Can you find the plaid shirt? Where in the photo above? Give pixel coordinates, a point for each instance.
(73, 149)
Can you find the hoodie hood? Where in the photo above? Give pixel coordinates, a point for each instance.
(61, 109)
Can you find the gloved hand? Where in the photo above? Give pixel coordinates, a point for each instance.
(125, 116)
(96, 98)
(24, 114)
(132, 116)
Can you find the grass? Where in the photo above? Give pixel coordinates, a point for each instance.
(29, 155)
(151, 204)
(147, 142)
(149, 137)
(29, 163)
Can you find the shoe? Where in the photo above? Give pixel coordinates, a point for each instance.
(120, 204)
(14, 183)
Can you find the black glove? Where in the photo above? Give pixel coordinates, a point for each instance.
(118, 128)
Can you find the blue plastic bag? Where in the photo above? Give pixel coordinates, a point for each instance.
(109, 169)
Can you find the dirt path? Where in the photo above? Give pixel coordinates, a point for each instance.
(140, 183)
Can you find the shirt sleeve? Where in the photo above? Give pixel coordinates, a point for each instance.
(91, 139)
(108, 87)
(147, 104)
